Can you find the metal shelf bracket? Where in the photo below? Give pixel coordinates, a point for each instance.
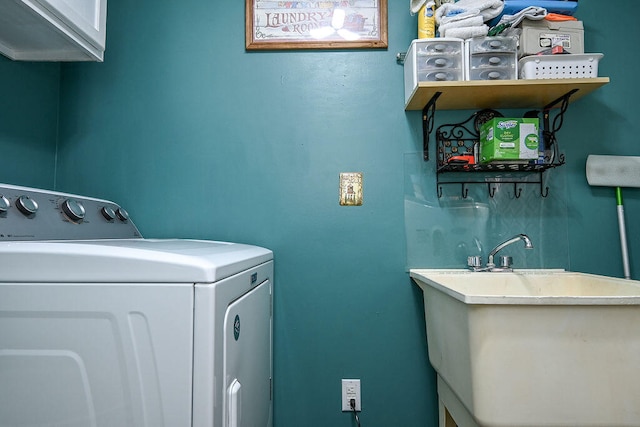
(428, 112)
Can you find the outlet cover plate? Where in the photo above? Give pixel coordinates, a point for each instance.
(351, 390)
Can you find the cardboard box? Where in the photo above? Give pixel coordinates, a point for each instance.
(538, 36)
(509, 140)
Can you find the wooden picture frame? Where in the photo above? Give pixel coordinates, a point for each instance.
(322, 24)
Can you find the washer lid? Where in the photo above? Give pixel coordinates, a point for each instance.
(127, 261)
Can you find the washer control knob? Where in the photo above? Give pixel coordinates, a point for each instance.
(4, 204)
(73, 210)
(26, 205)
(108, 213)
(122, 214)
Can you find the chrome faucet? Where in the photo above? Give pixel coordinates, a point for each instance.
(505, 265)
(527, 245)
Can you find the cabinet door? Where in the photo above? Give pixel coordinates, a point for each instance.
(87, 17)
(53, 30)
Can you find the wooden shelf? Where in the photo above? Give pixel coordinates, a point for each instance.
(479, 94)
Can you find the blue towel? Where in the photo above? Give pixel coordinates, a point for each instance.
(511, 7)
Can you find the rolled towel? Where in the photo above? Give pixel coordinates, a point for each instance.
(415, 6)
(488, 9)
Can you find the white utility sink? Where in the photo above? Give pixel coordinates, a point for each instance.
(533, 348)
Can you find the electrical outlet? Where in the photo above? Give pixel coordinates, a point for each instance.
(351, 390)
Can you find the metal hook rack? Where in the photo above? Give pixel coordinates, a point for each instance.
(492, 184)
(459, 139)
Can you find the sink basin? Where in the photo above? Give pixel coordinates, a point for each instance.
(533, 348)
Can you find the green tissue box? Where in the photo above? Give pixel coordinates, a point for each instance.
(509, 140)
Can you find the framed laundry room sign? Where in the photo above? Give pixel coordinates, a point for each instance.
(306, 24)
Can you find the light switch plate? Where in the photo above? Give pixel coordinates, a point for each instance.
(351, 189)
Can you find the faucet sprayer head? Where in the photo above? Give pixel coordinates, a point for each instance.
(527, 241)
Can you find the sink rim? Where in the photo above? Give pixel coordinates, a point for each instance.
(425, 278)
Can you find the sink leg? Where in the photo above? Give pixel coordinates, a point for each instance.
(449, 421)
(451, 411)
(445, 418)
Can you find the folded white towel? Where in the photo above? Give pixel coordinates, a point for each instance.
(471, 13)
(488, 9)
(473, 21)
(466, 32)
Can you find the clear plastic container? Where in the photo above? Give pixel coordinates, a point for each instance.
(440, 62)
(438, 46)
(496, 73)
(432, 60)
(440, 75)
(493, 60)
(492, 44)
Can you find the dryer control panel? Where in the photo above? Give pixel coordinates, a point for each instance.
(35, 214)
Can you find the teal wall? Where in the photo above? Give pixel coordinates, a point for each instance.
(605, 123)
(29, 95)
(198, 138)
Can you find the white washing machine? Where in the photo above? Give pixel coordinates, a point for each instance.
(101, 327)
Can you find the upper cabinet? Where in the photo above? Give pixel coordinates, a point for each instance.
(53, 30)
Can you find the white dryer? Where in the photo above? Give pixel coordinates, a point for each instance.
(100, 327)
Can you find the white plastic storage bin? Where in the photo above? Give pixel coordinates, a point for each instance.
(571, 66)
(432, 60)
(491, 58)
